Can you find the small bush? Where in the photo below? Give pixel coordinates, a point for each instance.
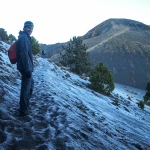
(3, 35)
(35, 46)
(12, 38)
(116, 102)
(129, 98)
(147, 95)
(101, 79)
(141, 104)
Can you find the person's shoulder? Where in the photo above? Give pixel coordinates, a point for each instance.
(22, 34)
(23, 37)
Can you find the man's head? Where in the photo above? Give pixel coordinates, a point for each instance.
(28, 27)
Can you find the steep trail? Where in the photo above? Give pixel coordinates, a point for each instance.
(38, 130)
(116, 34)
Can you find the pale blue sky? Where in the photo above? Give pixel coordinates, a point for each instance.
(59, 20)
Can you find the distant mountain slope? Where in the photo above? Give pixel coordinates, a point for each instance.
(123, 45)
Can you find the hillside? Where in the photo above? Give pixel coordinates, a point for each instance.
(123, 45)
(66, 115)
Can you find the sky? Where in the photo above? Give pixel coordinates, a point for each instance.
(58, 21)
(65, 114)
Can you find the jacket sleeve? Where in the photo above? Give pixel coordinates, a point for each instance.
(24, 48)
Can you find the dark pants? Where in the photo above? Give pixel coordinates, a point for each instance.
(27, 86)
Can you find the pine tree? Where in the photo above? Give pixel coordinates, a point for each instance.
(3, 35)
(35, 46)
(75, 56)
(101, 79)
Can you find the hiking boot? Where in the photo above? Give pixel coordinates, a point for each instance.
(23, 114)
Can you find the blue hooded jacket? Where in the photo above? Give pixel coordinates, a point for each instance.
(24, 53)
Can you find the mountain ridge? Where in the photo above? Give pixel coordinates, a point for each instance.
(106, 25)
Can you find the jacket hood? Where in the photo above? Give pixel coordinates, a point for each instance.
(22, 33)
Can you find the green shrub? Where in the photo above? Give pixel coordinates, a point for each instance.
(147, 95)
(35, 46)
(116, 102)
(141, 104)
(12, 38)
(101, 79)
(3, 35)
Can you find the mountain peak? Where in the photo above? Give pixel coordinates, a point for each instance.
(113, 23)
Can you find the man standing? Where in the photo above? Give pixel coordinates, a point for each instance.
(25, 66)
